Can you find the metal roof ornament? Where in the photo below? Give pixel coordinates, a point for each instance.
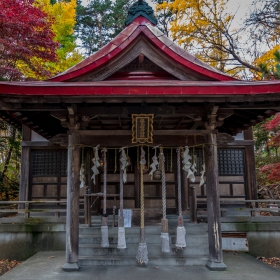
(140, 8)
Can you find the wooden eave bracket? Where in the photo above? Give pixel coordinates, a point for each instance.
(217, 116)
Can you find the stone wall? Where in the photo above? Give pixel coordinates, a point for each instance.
(21, 241)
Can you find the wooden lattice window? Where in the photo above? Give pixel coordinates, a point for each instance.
(231, 161)
(49, 163)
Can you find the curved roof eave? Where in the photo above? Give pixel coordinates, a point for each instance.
(141, 26)
(143, 89)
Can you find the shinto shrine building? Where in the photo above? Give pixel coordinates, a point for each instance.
(183, 102)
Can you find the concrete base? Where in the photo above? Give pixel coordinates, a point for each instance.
(70, 267)
(216, 266)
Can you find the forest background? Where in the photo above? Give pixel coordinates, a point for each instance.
(59, 34)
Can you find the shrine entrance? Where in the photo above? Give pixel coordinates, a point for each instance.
(152, 183)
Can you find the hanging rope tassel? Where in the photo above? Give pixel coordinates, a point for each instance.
(202, 181)
(155, 163)
(181, 231)
(142, 255)
(104, 226)
(165, 248)
(187, 164)
(121, 230)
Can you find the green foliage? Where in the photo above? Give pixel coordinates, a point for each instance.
(164, 17)
(271, 71)
(99, 22)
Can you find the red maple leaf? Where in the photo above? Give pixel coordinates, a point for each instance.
(25, 33)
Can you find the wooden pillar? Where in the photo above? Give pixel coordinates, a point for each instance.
(25, 166)
(250, 177)
(213, 205)
(193, 205)
(72, 218)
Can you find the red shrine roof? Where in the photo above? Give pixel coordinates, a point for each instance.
(140, 88)
(141, 27)
(215, 83)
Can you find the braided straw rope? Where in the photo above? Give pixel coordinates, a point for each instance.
(104, 181)
(142, 254)
(161, 159)
(142, 166)
(179, 181)
(121, 192)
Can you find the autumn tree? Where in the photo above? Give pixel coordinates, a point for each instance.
(264, 27)
(62, 16)
(270, 69)
(164, 16)
(99, 22)
(204, 27)
(25, 32)
(267, 153)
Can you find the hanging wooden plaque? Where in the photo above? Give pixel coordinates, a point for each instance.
(142, 128)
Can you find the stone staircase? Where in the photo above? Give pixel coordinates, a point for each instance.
(91, 253)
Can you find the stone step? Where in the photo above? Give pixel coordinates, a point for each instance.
(132, 249)
(191, 229)
(153, 261)
(195, 253)
(134, 238)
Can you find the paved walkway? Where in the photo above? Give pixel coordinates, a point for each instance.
(47, 265)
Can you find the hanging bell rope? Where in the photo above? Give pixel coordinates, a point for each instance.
(181, 231)
(142, 254)
(164, 222)
(96, 163)
(121, 229)
(82, 171)
(104, 226)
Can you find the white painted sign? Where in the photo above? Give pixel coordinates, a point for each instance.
(127, 214)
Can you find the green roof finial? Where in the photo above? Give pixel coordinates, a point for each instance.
(140, 8)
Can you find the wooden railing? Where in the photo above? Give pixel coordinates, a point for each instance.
(16, 207)
(252, 206)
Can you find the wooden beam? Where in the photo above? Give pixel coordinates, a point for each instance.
(213, 204)
(37, 144)
(128, 132)
(120, 141)
(241, 143)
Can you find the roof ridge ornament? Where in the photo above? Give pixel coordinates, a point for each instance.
(140, 8)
